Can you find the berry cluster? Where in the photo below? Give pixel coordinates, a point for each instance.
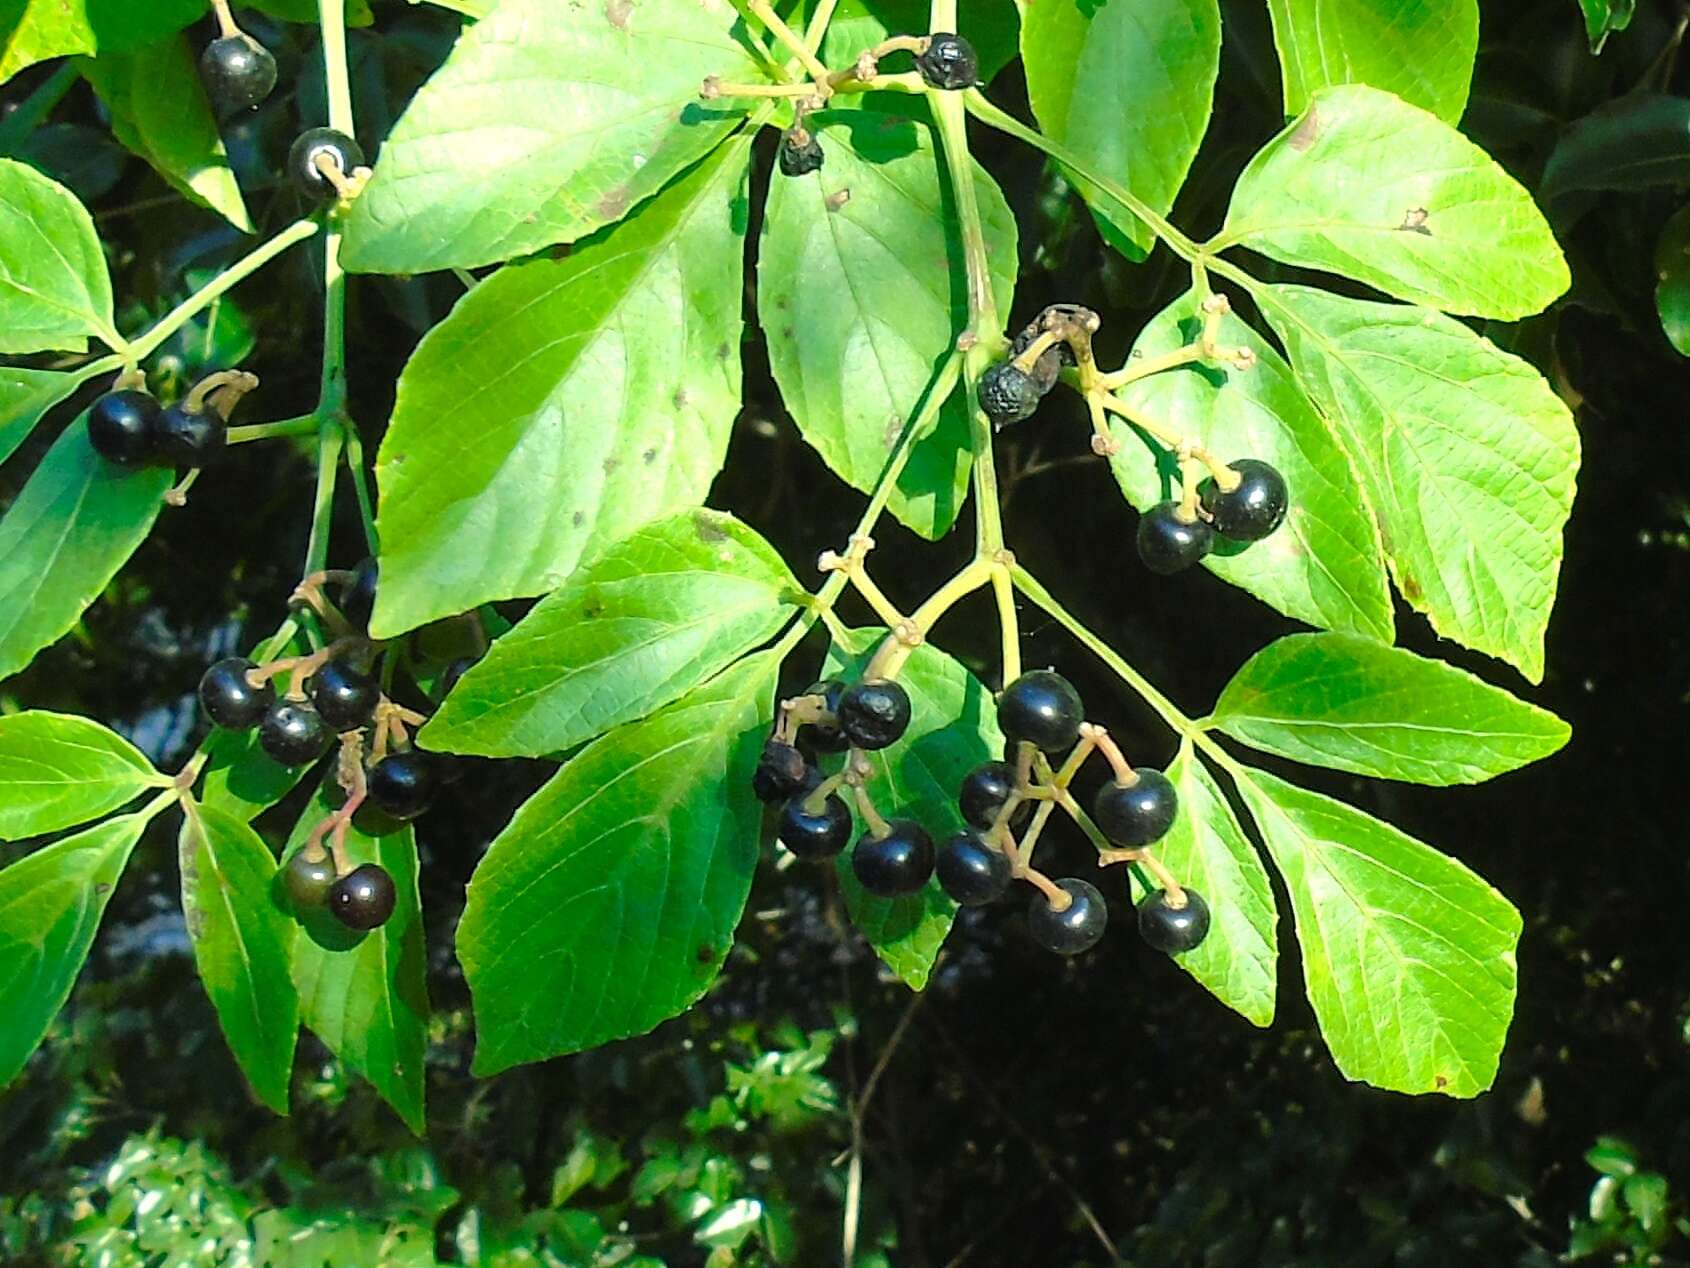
(129, 428)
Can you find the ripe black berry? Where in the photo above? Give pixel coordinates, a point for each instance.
(293, 734)
(983, 792)
(230, 700)
(1076, 928)
(949, 62)
(781, 771)
(123, 427)
(190, 438)
(826, 737)
(874, 713)
(1008, 394)
(817, 835)
(302, 161)
(898, 863)
(1043, 707)
(363, 898)
(1167, 543)
(308, 881)
(800, 152)
(345, 697)
(238, 71)
(971, 872)
(1173, 929)
(358, 600)
(403, 784)
(1137, 814)
(1255, 508)
(453, 672)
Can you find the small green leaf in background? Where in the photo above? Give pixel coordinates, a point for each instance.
(635, 628)
(1603, 17)
(1422, 50)
(58, 770)
(159, 110)
(51, 902)
(565, 402)
(1672, 286)
(953, 728)
(1207, 850)
(34, 30)
(1356, 705)
(1128, 87)
(1324, 565)
(73, 526)
(991, 26)
(1368, 186)
(84, 159)
(242, 944)
(609, 902)
(25, 395)
(539, 130)
(861, 293)
(1407, 955)
(366, 996)
(1469, 455)
(1639, 141)
(54, 288)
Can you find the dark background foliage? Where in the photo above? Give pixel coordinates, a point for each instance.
(1025, 1111)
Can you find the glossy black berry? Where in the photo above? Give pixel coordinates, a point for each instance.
(1255, 508)
(345, 697)
(358, 599)
(1167, 543)
(971, 872)
(302, 161)
(1077, 927)
(190, 438)
(238, 71)
(293, 734)
(403, 784)
(229, 699)
(123, 427)
(984, 790)
(949, 62)
(874, 713)
(815, 835)
(1136, 814)
(781, 771)
(800, 152)
(452, 673)
(308, 881)
(1173, 929)
(363, 898)
(826, 737)
(1042, 707)
(1008, 394)
(898, 863)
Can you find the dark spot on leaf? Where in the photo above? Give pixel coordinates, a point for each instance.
(102, 887)
(592, 611)
(707, 527)
(617, 11)
(649, 456)
(723, 352)
(614, 204)
(1411, 589)
(578, 519)
(1414, 221)
(680, 398)
(1307, 133)
(706, 953)
(834, 202)
(1440, 1082)
(611, 463)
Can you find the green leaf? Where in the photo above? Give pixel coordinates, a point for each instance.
(357, 11)
(1366, 185)
(366, 995)
(159, 111)
(25, 395)
(34, 30)
(1355, 705)
(539, 130)
(1672, 288)
(564, 403)
(240, 778)
(953, 728)
(54, 288)
(1639, 141)
(637, 627)
(1603, 17)
(73, 526)
(1324, 565)
(991, 26)
(58, 770)
(1128, 87)
(1407, 955)
(862, 293)
(1207, 850)
(50, 906)
(1469, 456)
(242, 944)
(1422, 50)
(609, 902)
